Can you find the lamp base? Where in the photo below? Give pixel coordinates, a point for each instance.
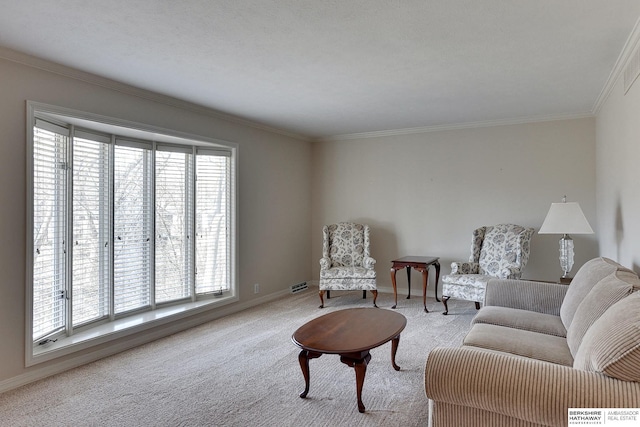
(566, 280)
(566, 254)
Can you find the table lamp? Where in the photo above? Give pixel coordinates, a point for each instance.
(565, 218)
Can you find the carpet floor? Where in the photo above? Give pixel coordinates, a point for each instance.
(242, 370)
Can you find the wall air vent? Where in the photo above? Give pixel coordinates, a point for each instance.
(298, 287)
(632, 70)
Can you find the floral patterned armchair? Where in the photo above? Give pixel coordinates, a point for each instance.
(499, 251)
(346, 263)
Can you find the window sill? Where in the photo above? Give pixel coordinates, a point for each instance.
(120, 328)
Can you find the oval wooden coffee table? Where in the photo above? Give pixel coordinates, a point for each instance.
(351, 333)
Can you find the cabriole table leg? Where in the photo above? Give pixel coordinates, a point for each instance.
(303, 358)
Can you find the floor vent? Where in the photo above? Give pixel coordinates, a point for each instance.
(632, 70)
(299, 287)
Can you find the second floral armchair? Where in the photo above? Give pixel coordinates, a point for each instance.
(498, 251)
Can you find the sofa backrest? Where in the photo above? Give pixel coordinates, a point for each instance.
(585, 279)
(607, 292)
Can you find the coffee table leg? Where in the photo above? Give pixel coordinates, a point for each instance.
(359, 363)
(303, 358)
(408, 282)
(361, 370)
(394, 350)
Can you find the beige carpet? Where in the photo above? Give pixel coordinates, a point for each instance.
(243, 370)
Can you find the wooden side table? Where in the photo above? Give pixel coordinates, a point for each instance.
(419, 263)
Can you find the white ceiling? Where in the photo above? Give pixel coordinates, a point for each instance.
(322, 68)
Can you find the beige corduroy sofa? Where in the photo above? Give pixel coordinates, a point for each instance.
(537, 349)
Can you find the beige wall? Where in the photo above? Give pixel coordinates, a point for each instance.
(274, 201)
(423, 194)
(618, 175)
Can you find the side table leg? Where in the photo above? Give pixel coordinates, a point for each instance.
(395, 289)
(394, 350)
(425, 280)
(437, 265)
(444, 301)
(303, 358)
(409, 282)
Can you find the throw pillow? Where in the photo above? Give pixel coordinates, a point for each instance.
(612, 345)
(603, 295)
(586, 278)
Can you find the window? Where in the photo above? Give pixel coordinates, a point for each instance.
(124, 222)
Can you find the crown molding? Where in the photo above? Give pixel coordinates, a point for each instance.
(63, 70)
(621, 63)
(467, 125)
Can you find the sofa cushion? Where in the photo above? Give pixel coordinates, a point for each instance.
(586, 278)
(521, 319)
(534, 345)
(611, 346)
(603, 295)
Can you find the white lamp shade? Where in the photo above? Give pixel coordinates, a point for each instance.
(565, 218)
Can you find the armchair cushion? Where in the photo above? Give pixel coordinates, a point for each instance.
(470, 287)
(348, 272)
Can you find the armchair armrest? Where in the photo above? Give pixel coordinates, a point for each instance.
(325, 263)
(542, 297)
(527, 389)
(368, 262)
(511, 273)
(465, 267)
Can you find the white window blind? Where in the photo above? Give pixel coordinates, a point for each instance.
(174, 208)
(91, 230)
(213, 199)
(133, 227)
(49, 228)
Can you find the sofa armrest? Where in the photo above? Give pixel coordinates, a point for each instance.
(465, 268)
(526, 389)
(542, 297)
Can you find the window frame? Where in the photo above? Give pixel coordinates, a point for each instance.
(169, 314)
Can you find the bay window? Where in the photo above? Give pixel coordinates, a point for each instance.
(122, 224)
